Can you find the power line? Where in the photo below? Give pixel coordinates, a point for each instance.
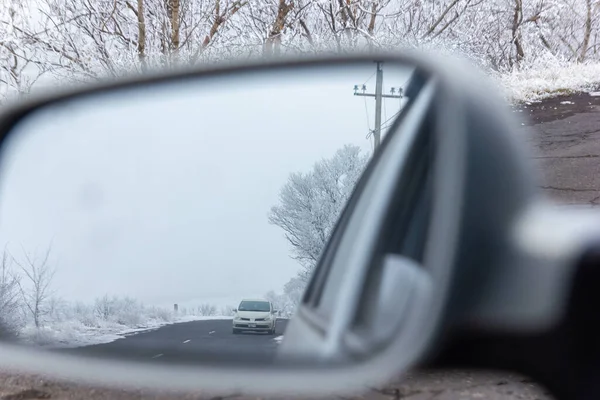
(367, 114)
(371, 77)
(385, 111)
(386, 125)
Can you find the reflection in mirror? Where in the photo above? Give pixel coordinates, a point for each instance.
(182, 220)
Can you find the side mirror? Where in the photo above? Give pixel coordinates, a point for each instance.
(234, 310)
(432, 227)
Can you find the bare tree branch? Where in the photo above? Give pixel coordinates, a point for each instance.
(39, 275)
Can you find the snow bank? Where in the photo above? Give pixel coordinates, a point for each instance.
(549, 80)
(75, 334)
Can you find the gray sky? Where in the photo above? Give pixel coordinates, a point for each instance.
(163, 194)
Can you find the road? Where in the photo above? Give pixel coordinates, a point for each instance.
(564, 136)
(190, 342)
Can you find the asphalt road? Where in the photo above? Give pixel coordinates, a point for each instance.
(190, 342)
(564, 138)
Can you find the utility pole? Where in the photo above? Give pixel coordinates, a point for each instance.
(378, 100)
(378, 93)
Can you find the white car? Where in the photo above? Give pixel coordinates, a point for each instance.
(256, 315)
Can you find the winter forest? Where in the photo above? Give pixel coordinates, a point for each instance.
(532, 48)
(50, 41)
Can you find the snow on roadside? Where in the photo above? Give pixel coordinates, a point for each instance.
(549, 80)
(75, 334)
(278, 339)
(69, 334)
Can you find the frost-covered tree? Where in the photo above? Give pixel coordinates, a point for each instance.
(207, 309)
(310, 204)
(227, 311)
(105, 307)
(285, 303)
(276, 299)
(282, 303)
(11, 319)
(294, 289)
(80, 40)
(21, 63)
(35, 287)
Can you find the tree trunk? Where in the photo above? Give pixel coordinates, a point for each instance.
(587, 33)
(273, 42)
(173, 11)
(141, 42)
(516, 27)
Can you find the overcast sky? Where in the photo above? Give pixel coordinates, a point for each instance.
(163, 194)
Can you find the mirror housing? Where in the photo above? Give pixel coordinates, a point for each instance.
(486, 212)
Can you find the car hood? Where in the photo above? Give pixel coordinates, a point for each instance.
(252, 314)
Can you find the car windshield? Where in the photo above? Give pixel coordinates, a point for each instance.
(261, 306)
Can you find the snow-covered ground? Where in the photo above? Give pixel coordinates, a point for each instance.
(549, 80)
(68, 334)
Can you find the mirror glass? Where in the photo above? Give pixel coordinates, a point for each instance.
(182, 220)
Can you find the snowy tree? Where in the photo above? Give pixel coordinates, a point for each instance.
(57, 309)
(10, 304)
(21, 63)
(274, 298)
(129, 312)
(285, 303)
(207, 310)
(81, 40)
(573, 28)
(310, 204)
(294, 289)
(36, 292)
(280, 302)
(105, 307)
(161, 314)
(107, 38)
(227, 311)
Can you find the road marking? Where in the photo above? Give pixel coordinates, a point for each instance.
(158, 355)
(211, 332)
(186, 341)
